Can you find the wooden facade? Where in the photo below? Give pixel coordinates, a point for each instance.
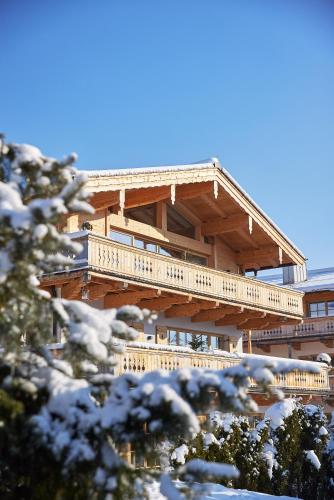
(178, 241)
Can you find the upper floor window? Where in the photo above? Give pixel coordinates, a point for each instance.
(178, 224)
(320, 309)
(197, 341)
(151, 246)
(147, 214)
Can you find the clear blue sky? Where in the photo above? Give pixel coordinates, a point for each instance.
(129, 83)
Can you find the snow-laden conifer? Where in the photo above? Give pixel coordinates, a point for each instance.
(64, 425)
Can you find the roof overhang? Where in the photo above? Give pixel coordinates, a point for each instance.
(147, 185)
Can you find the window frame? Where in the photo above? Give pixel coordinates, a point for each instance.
(178, 331)
(148, 241)
(326, 309)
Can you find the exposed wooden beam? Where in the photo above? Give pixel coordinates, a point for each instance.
(187, 213)
(161, 215)
(104, 199)
(227, 225)
(99, 290)
(162, 303)
(253, 255)
(187, 309)
(72, 289)
(214, 205)
(213, 314)
(254, 324)
(188, 191)
(139, 197)
(231, 319)
(240, 319)
(327, 342)
(128, 298)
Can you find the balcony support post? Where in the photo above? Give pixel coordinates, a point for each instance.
(249, 346)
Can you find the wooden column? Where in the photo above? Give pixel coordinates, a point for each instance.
(161, 215)
(249, 344)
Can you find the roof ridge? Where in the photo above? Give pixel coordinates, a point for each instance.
(207, 163)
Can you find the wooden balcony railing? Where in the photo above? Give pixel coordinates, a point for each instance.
(144, 357)
(103, 255)
(311, 327)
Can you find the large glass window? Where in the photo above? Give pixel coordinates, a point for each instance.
(321, 309)
(145, 214)
(171, 252)
(216, 342)
(175, 253)
(178, 224)
(146, 245)
(330, 306)
(172, 337)
(196, 341)
(125, 238)
(196, 259)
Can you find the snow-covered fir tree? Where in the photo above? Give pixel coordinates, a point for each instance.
(63, 424)
(287, 453)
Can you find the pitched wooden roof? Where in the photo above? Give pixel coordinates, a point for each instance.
(210, 193)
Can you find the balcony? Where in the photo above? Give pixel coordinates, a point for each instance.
(142, 357)
(101, 255)
(315, 327)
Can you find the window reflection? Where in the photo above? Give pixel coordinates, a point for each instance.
(197, 341)
(321, 309)
(128, 239)
(171, 252)
(172, 337)
(124, 238)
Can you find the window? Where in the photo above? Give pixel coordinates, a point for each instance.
(184, 338)
(171, 252)
(321, 309)
(126, 239)
(196, 341)
(150, 246)
(172, 337)
(216, 342)
(178, 224)
(330, 306)
(196, 259)
(146, 245)
(145, 214)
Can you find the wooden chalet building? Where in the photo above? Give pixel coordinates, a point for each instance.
(315, 334)
(179, 240)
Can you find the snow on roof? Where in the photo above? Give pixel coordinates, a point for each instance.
(208, 163)
(317, 280)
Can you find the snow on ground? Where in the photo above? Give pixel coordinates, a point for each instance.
(219, 492)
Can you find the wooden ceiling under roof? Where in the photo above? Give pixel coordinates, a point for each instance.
(223, 209)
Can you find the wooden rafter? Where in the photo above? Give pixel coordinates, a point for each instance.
(213, 314)
(232, 223)
(141, 197)
(99, 290)
(240, 319)
(214, 205)
(188, 191)
(104, 199)
(128, 298)
(182, 310)
(72, 289)
(254, 324)
(162, 303)
(254, 255)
